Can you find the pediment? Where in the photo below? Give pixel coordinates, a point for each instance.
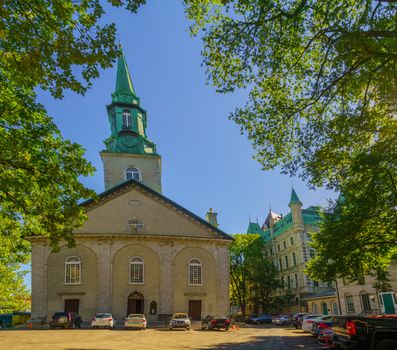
(135, 209)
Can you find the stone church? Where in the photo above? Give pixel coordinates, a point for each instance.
(138, 252)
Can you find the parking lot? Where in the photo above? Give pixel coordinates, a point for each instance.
(254, 337)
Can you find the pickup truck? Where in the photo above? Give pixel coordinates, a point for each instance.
(365, 333)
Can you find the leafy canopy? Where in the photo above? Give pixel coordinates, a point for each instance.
(322, 77)
(51, 45)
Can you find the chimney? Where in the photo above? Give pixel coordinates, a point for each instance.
(211, 217)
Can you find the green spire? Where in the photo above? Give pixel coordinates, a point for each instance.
(294, 198)
(123, 80)
(254, 228)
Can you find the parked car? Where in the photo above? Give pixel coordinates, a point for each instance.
(179, 320)
(104, 320)
(365, 333)
(308, 321)
(326, 338)
(282, 320)
(297, 319)
(250, 318)
(321, 323)
(263, 319)
(215, 322)
(135, 321)
(65, 320)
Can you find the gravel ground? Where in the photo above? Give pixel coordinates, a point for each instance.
(255, 337)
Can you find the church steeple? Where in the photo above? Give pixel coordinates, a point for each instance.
(136, 154)
(123, 80)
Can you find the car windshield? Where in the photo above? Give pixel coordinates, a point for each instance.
(135, 316)
(103, 315)
(179, 317)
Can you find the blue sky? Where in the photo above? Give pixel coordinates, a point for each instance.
(206, 161)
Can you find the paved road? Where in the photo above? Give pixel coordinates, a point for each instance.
(250, 338)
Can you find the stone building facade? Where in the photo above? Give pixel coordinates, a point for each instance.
(138, 252)
(287, 244)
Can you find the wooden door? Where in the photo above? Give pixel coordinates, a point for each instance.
(72, 305)
(135, 306)
(195, 309)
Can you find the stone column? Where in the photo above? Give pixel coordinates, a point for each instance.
(166, 278)
(104, 275)
(223, 280)
(39, 279)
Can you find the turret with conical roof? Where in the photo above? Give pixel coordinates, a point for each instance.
(296, 208)
(136, 154)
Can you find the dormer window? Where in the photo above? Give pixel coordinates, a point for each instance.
(127, 121)
(132, 173)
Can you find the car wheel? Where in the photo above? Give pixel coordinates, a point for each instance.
(170, 328)
(227, 328)
(188, 328)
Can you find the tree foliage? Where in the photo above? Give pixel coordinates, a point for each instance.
(51, 45)
(322, 81)
(252, 277)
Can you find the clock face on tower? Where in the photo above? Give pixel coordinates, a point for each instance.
(129, 140)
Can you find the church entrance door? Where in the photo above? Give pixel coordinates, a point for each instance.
(135, 303)
(195, 310)
(72, 305)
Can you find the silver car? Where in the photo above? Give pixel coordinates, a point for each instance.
(179, 320)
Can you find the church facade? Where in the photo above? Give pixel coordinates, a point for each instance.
(138, 252)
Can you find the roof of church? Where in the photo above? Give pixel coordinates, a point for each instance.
(123, 80)
(160, 196)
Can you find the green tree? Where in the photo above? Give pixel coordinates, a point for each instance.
(51, 45)
(252, 277)
(322, 87)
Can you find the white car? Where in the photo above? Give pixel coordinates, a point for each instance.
(135, 321)
(308, 321)
(104, 320)
(282, 320)
(179, 320)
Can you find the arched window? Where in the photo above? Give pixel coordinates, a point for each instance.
(136, 270)
(334, 308)
(349, 303)
(153, 308)
(195, 276)
(127, 121)
(366, 304)
(314, 308)
(132, 173)
(72, 270)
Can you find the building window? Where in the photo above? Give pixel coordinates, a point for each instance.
(314, 308)
(289, 282)
(195, 275)
(127, 121)
(365, 301)
(312, 253)
(349, 303)
(280, 264)
(153, 308)
(285, 244)
(315, 283)
(291, 240)
(266, 254)
(296, 280)
(286, 262)
(136, 270)
(278, 248)
(132, 173)
(294, 259)
(72, 270)
(334, 308)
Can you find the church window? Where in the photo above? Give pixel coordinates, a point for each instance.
(153, 308)
(127, 121)
(132, 173)
(136, 270)
(195, 277)
(72, 270)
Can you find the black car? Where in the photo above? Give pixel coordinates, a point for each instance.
(66, 320)
(215, 322)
